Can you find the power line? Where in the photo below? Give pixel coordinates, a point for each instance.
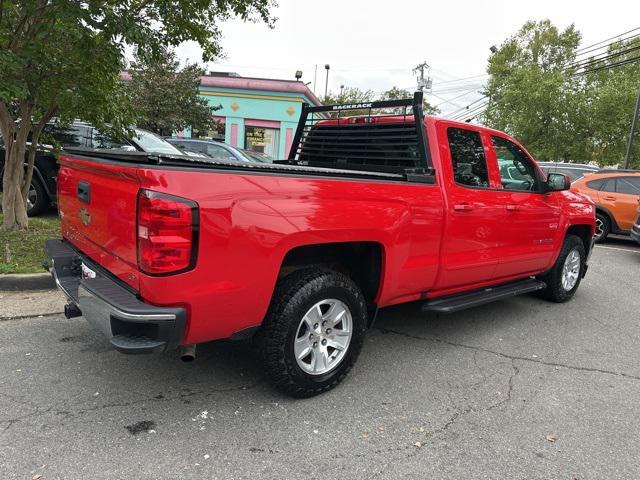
(608, 56)
(609, 66)
(473, 111)
(454, 98)
(607, 40)
(466, 109)
(605, 47)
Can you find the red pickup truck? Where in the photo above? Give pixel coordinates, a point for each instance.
(163, 252)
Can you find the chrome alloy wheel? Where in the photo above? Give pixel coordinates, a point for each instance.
(32, 197)
(599, 228)
(571, 270)
(323, 337)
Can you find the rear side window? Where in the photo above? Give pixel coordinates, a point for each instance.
(468, 158)
(609, 185)
(573, 173)
(628, 185)
(596, 184)
(71, 136)
(189, 146)
(219, 153)
(102, 140)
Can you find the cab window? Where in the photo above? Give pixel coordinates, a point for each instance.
(517, 171)
(468, 158)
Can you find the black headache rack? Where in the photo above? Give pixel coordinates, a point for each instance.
(383, 136)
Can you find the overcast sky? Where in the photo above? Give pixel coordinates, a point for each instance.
(374, 45)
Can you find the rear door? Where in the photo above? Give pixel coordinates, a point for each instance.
(608, 198)
(532, 220)
(474, 218)
(626, 203)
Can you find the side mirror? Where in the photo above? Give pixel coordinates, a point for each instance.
(557, 182)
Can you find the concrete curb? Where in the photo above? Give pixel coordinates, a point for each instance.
(27, 281)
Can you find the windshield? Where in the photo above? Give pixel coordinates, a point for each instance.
(152, 143)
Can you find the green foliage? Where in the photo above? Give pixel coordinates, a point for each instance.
(355, 95)
(165, 97)
(23, 252)
(535, 95)
(63, 58)
(396, 93)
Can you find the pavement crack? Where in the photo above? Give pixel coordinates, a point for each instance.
(30, 316)
(81, 411)
(507, 399)
(511, 357)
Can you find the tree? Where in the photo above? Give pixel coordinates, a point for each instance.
(63, 59)
(609, 102)
(561, 107)
(165, 97)
(348, 95)
(395, 93)
(355, 95)
(530, 94)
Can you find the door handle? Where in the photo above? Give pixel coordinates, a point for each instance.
(463, 207)
(612, 199)
(84, 191)
(513, 207)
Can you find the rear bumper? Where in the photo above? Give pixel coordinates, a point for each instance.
(131, 325)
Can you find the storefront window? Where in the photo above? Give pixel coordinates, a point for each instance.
(263, 140)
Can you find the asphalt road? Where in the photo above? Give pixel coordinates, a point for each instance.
(520, 389)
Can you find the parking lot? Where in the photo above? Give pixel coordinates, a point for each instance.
(517, 389)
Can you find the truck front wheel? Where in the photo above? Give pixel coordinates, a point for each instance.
(313, 332)
(564, 278)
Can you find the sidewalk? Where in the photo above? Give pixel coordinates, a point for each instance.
(29, 296)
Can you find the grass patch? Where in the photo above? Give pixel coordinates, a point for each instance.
(23, 252)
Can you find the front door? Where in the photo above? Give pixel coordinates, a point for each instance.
(532, 223)
(620, 196)
(474, 218)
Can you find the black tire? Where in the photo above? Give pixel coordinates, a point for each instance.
(604, 222)
(40, 202)
(294, 296)
(555, 291)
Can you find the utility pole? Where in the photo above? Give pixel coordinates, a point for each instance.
(315, 75)
(632, 134)
(422, 81)
(326, 83)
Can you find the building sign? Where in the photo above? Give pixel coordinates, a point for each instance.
(254, 136)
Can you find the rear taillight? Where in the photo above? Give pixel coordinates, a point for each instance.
(167, 233)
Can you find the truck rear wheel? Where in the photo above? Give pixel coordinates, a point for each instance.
(564, 278)
(313, 332)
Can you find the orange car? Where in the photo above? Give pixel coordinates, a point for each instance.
(616, 194)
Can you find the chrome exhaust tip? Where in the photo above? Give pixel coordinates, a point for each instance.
(188, 353)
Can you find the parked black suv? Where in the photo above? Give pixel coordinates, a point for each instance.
(42, 192)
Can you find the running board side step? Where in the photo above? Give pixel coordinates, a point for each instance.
(462, 301)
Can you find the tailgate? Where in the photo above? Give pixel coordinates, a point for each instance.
(97, 203)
